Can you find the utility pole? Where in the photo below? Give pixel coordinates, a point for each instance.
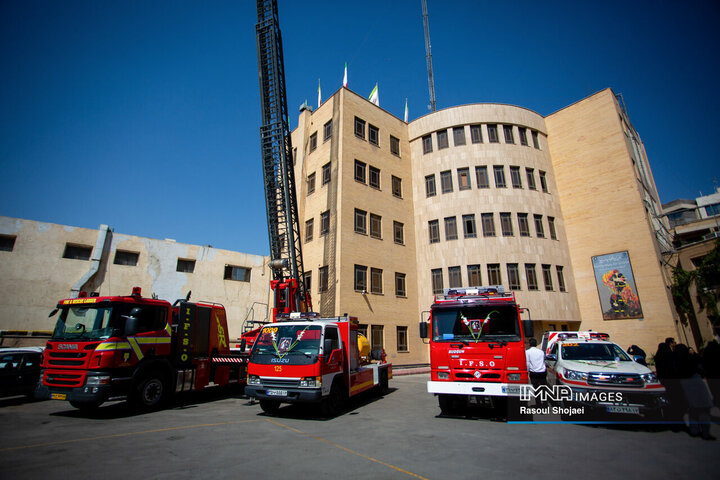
(428, 56)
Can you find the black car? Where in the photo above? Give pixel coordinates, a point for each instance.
(19, 370)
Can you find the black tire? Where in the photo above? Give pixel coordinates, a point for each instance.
(85, 406)
(447, 404)
(269, 406)
(150, 391)
(384, 384)
(332, 404)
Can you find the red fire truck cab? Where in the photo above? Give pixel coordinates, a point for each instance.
(477, 347)
(306, 359)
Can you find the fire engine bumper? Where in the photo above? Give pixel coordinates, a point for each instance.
(89, 393)
(475, 388)
(285, 395)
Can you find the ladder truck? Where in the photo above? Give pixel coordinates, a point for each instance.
(308, 359)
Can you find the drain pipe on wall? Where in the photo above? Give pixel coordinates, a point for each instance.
(94, 261)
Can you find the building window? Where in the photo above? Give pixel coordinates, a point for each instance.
(508, 130)
(450, 228)
(515, 177)
(560, 277)
(712, 210)
(458, 136)
(523, 224)
(240, 274)
(185, 265)
(360, 169)
(488, 224)
(442, 139)
(493, 134)
(434, 230)
(551, 227)
(400, 289)
(376, 337)
(360, 278)
(360, 221)
(463, 178)
(536, 142)
(394, 146)
(325, 222)
(311, 183)
(499, 171)
(430, 190)
(399, 233)
(375, 226)
(446, 184)
(493, 270)
(309, 230)
(77, 252)
(513, 276)
(360, 128)
(506, 224)
(7, 243)
(539, 230)
(373, 135)
(481, 174)
(363, 329)
(402, 339)
(376, 280)
(326, 174)
(123, 257)
(323, 279)
(313, 142)
(374, 177)
(427, 143)
(523, 136)
(531, 276)
(476, 134)
(327, 131)
(543, 182)
(469, 226)
(547, 277)
(454, 277)
(437, 281)
(307, 280)
(474, 276)
(397, 186)
(530, 174)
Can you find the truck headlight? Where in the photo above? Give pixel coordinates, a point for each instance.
(514, 377)
(443, 376)
(253, 380)
(650, 378)
(573, 375)
(311, 382)
(98, 380)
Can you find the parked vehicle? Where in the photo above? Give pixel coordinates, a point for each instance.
(19, 370)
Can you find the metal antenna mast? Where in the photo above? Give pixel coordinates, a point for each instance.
(428, 56)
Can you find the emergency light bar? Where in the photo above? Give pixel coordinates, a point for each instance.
(565, 336)
(599, 336)
(471, 291)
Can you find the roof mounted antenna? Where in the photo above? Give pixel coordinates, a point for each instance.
(428, 56)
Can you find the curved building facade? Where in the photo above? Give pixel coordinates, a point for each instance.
(487, 210)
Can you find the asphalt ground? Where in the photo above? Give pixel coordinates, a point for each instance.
(222, 434)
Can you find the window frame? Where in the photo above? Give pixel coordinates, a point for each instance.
(493, 133)
(499, 176)
(373, 171)
(360, 278)
(515, 178)
(451, 231)
(446, 183)
(427, 144)
(430, 184)
(459, 136)
(476, 135)
(327, 131)
(434, 231)
(375, 226)
(360, 172)
(481, 176)
(506, 225)
(400, 284)
(442, 139)
(469, 221)
(493, 270)
(359, 128)
(373, 135)
(531, 277)
(360, 222)
(509, 134)
(513, 273)
(396, 186)
(464, 173)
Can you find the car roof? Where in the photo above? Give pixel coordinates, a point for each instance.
(4, 350)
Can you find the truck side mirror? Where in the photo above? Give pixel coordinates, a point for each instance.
(423, 330)
(243, 344)
(528, 328)
(132, 325)
(327, 348)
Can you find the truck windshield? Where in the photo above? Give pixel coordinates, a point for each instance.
(95, 322)
(593, 351)
(287, 344)
(476, 323)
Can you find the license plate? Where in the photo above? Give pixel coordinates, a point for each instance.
(511, 390)
(623, 409)
(58, 396)
(277, 393)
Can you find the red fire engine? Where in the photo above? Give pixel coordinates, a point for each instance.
(140, 349)
(477, 347)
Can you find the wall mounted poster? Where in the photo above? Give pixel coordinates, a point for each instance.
(616, 286)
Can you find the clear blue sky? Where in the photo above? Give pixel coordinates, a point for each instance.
(144, 115)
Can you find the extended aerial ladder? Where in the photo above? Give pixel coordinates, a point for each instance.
(288, 282)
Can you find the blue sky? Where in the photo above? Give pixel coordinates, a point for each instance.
(144, 115)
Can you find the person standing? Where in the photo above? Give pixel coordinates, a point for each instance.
(535, 359)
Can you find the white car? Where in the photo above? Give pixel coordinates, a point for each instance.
(602, 377)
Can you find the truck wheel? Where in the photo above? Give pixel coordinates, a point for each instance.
(447, 404)
(150, 391)
(85, 406)
(332, 404)
(384, 386)
(269, 406)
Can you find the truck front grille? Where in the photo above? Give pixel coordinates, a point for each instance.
(282, 383)
(628, 380)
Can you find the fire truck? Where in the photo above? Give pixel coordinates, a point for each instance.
(477, 347)
(303, 358)
(140, 349)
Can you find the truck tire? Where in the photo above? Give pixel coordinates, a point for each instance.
(332, 404)
(269, 406)
(384, 386)
(85, 406)
(447, 404)
(150, 390)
